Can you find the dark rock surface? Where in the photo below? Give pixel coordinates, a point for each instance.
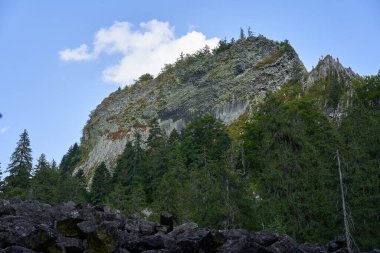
(28, 227)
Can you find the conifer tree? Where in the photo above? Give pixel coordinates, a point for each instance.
(101, 184)
(156, 165)
(44, 182)
(290, 146)
(19, 169)
(360, 132)
(136, 200)
(70, 188)
(170, 194)
(71, 159)
(242, 35)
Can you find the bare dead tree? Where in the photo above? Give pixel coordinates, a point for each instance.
(345, 214)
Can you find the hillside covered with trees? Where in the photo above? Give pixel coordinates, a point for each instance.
(276, 170)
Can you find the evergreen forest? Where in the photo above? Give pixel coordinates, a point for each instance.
(274, 169)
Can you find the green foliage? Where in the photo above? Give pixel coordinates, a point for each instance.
(44, 182)
(290, 147)
(242, 35)
(280, 174)
(223, 45)
(205, 139)
(145, 78)
(328, 92)
(297, 71)
(130, 179)
(184, 174)
(156, 165)
(101, 184)
(360, 133)
(170, 194)
(282, 49)
(18, 182)
(71, 159)
(136, 200)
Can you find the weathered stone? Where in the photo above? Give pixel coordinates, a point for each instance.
(213, 241)
(233, 234)
(243, 245)
(151, 242)
(162, 229)
(84, 229)
(265, 238)
(69, 227)
(87, 227)
(312, 248)
(225, 85)
(132, 226)
(182, 228)
(284, 245)
(147, 227)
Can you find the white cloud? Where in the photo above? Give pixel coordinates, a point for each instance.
(143, 50)
(78, 54)
(3, 130)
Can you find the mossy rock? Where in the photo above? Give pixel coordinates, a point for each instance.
(69, 227)
(101, 242)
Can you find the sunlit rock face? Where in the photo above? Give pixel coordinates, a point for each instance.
(224, 84)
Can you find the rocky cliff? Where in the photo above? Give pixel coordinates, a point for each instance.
(225, 83)
(331, 84)
(28, 227)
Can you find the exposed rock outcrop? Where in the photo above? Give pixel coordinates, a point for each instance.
(329, 66)
(29, 227)
(334, 85)
(223, 84)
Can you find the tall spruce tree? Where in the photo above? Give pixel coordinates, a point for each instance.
(156, 165)
(19, 169)
(203, 145)
(45, 181)
(70, 159)
(101, 184)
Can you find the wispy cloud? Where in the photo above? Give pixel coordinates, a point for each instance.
(3, 129)
(144, 49)
(78, 54)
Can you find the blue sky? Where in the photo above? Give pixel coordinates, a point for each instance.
(51, 96)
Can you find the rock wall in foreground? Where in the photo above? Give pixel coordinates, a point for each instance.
(28, 227)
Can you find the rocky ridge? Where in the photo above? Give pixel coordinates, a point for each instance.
(28, 227)
(331, 84)
(225, 84)
(329, 66)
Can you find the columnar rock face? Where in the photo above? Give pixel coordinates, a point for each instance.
(334, 85)
(29, 227)
(224, 84)
(330, 66)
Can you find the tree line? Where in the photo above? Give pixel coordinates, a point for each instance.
(280, 174)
